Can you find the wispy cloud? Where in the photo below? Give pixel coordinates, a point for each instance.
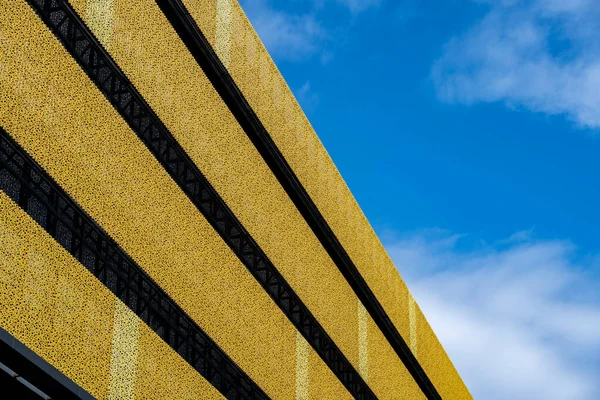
(297, 33)
(519, 321)
(307, 98)
(286, 35)
(541, 55)
(356, 6)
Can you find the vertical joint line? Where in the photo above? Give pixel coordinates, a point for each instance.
(412, 317)
(99, 17)
(301, 367)
(223, 31)
(363, 340)
(124, 353)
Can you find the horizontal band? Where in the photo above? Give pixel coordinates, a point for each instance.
(214, 69)
(80, 42)
(28, 185)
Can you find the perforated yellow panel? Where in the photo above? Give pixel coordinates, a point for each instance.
(322, 384)
(388, 377)
(162, 374)
(125, 339)
(182, 96)
(55, 112)
(179, 92)
(265, 89)
(52, 109)
(433, 359)
(54, 306)
(51, 303)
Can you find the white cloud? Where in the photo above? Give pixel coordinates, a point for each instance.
(520, 320)
(518, 237)
(299, 34)
(286, 36)
(541, 55)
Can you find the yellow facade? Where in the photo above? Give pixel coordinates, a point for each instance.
(264, 88)
(52, 304)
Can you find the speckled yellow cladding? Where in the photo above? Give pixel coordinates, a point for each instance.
(51, 303)
(52, 109)
(363, 342)
(264, 88)
(433, 359)
(56, 113)
(322, 383)
(412, 318)
(390, 379)
(149, 51)
(223, 30)
(162, 374)
(124, 353)
(99, 14)
(301, 367)
(54, 306)
(178, 91)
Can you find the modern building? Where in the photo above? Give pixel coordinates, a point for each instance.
(172, 227)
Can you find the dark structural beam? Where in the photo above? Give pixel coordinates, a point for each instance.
(204, 54)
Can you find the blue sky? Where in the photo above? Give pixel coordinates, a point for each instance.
(468, 131)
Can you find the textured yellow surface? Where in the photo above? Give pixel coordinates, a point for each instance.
(123, 361)
(388, 377)
(223, 29)
(436, 363)
(99, 13)
(158, 63)
(412, 321)
(162, 374)
(301, 367)
(54, 111)
(58, 115)
(51, 303)
(263, 86)
(363, 342)
(322, 383)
